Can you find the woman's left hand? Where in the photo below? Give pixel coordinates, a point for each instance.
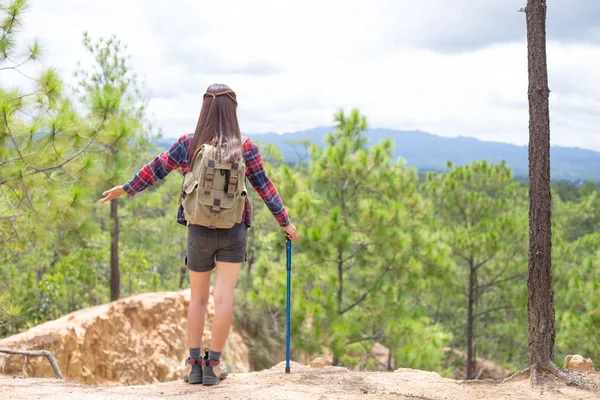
(290, 232)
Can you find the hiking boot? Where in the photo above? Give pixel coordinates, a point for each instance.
(195, 376)
(214, 371)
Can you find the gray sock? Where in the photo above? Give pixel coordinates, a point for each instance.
(195, 354)
(212, 355)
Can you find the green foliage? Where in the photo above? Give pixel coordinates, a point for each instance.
(385, 257)
(10, 310)
(56, 157)
(366, 249)
(482, 211)
(577, 295)
(579, 215)
(45, 145)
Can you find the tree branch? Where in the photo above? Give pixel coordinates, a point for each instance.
(26, 95)
(364, 339)
(479, 314)
(11, 205)
(364, 295)
(9, 29)
(482, 263)
(66, 160)
(15, 158)
(460, 255)
(27, 194)
(484, 288)
(23, 74)
(16, 67)
(42, 353)
(12, 216)
(343, 260)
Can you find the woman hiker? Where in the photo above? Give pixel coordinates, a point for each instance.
(215, 161)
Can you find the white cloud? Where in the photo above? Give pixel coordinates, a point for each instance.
(451, 69)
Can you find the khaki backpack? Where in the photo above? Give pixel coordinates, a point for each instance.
(214, 193)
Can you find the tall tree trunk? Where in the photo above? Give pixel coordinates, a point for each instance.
(115, 275)
(340, 293)
(340, 270)
(183, 270)
(540, 302)
(182, 275)
(470, 301)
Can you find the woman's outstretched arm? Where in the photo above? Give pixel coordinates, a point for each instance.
(158, 168)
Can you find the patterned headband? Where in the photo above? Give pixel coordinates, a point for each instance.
(228, 93)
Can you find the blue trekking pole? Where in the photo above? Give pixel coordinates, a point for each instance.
(287, 304)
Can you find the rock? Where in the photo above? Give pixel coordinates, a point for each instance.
(484, 369)
(294, 366)
(318, 363)
(380, 354)
(133, 341)
(579, 363)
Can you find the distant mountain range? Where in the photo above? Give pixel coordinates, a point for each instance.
(428, 152)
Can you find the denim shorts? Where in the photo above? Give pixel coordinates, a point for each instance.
(205, 246)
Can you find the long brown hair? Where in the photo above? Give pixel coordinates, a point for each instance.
(218, 124)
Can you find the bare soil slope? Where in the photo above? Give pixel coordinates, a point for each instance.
(305, 383)
(137, 340)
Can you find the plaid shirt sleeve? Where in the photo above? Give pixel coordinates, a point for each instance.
(158, 168)
(257, 176)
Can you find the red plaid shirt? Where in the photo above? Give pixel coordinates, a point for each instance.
(177, 157)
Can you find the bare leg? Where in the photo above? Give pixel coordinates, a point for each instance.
(227, 275)
(199, 284)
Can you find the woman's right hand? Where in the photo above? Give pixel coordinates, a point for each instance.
(290, 232)
(112, 194)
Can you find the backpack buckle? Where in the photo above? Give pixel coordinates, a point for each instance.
(210, 172)
(232, 187)
(216, 205)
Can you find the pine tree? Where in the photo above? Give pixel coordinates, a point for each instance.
(541, 331)
(481, 212)
(44, 144)
(126, 133)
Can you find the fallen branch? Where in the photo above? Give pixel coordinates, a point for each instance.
(37, 353)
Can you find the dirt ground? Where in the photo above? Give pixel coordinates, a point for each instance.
(306, 383)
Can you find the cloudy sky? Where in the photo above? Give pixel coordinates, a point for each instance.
(448, 67)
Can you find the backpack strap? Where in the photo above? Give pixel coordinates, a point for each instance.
(210, 174)
(233, 179)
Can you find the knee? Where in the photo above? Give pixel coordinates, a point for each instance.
(198, 302)
(223, 298)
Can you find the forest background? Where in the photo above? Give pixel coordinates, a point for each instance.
(413, 261)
